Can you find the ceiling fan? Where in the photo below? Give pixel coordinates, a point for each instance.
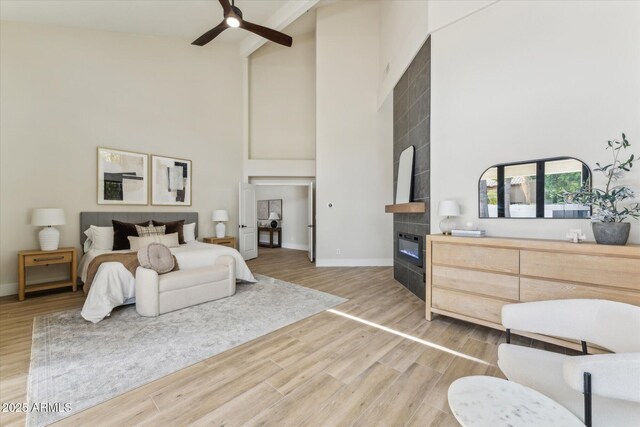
(233, 19)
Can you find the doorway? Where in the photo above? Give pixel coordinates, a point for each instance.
(284, 215)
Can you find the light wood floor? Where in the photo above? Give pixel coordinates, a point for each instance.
(326, 370)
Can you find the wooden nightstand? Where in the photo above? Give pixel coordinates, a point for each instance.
(224, 241)
(38, 258)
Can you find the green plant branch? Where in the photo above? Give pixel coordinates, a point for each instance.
(605, 202)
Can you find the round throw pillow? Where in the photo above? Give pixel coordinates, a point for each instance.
(157, 257)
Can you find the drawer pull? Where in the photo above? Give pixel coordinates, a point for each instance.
(48, 259)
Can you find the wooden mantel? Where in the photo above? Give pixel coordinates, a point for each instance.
(412, 207)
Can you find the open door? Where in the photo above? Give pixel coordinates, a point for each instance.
(311, 227)
(247, 224)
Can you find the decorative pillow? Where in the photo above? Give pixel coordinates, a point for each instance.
(173, 227)
(150, 230)
(169, 240)
(122, 230)
(157, 257)
(87, 243)
(189, 232)
(99, 238)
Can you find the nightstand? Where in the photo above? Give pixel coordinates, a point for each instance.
(224, 241)
(36, 258)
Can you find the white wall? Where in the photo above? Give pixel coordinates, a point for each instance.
(403, 30)
(280, 88)
(295, 213)
(405, 26)
(354, 140)
(63, 92)
(282, 116)
(528, 80)
(446, 12)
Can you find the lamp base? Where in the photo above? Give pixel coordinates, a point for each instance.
(220, 229)
(446, 225)
(274, 224)
(49, 239)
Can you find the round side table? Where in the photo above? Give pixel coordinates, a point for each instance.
(481, 401)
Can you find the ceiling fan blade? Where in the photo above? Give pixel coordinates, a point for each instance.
(267, 33)
(211, 34)
(226, 7)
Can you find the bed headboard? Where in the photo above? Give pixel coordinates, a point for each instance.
(103, 219)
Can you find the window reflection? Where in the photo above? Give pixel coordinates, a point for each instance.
(560, 176)
(532, 189)
(520, 191)
(488, 190)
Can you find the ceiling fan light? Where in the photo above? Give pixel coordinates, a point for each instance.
(233, 22)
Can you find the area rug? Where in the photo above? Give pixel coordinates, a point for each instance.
(76, 364)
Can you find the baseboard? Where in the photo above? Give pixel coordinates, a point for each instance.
(355, 262)
(12, 288)
(8, 289)
(295, 246)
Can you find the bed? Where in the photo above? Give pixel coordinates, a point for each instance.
(113, 285)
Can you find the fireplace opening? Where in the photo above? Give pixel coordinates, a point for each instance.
(410, 248)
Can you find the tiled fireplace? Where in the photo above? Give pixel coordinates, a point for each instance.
(411, 126)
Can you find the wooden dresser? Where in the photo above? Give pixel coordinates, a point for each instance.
(472, 278)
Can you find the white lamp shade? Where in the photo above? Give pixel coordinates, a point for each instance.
(220, 215)
(448, 208)
(48, 216)
(273, 216)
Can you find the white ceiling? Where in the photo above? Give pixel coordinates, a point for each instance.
(181, 18)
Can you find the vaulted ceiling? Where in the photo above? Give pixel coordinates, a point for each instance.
(181, 18)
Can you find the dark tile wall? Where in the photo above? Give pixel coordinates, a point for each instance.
(411, 126)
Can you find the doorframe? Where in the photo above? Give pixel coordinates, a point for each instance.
(291, 182)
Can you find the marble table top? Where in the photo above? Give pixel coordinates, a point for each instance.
(481, 401)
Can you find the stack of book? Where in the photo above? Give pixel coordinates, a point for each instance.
(469, 233)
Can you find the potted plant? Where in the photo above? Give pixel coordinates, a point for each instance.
(610, 205)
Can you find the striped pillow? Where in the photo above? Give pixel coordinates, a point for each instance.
(150, 230)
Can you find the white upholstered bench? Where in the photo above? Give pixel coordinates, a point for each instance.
(158, 294)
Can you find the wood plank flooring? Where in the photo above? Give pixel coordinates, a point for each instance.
(326, 370)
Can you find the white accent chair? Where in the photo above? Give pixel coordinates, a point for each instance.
(158, 294)
(602, 390)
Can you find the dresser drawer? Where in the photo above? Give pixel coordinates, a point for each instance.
(483, 308)
(225, 242)
(591, 269)
(54, 258)
(484, 258)
(222, 241)
(542, 290)
(479, 282)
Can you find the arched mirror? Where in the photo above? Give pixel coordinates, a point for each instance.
(533, 189)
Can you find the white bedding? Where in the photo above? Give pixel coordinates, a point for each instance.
(113, 285)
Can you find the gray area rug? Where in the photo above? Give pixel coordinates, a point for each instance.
(77, 362)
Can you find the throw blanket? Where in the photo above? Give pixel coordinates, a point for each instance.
(128, 259)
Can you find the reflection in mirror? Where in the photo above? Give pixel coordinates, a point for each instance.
(488, 191)
(532, 189)
(520, 191)
(560, 176)
(405, 176)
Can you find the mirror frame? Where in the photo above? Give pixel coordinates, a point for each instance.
(586, 172)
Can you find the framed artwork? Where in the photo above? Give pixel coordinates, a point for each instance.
(263, 209)
(275, 206)
(170, 181)
(122, 177)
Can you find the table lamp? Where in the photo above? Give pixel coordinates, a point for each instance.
(448, 209)
(221, 216)
(274, 217)
(48, 217)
